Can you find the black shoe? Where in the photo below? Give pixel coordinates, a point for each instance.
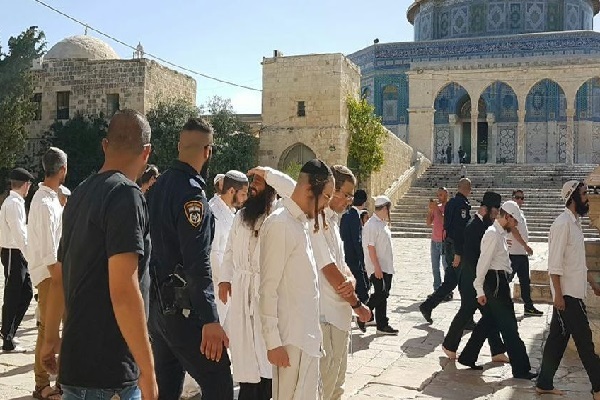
(388, 330)
(470, 326)
(472, 366)
(371, 322)
(528, 376)
(361, 326)
(426, 314)
(449, 297)
(533, 311)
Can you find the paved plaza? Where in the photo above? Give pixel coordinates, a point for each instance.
(408, 366)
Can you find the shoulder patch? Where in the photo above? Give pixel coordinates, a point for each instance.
(194, 212)
(463, 213)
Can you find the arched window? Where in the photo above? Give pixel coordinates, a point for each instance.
(390, 103)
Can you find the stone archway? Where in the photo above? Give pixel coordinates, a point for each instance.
(447, 129)
(298, 153)
(587, 122)
(502, 122)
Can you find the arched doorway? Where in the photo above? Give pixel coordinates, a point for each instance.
(298, 153)
(502, 103)
(587, 123)
(448, 131)
(481, 130)
(546, 123)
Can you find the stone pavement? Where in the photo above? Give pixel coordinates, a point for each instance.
(408, 366)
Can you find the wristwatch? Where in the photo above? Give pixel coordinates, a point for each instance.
(358, 304)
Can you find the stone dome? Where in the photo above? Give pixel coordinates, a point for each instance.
(82, 47)
(450, 19)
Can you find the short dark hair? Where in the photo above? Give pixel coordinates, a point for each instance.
(360, 198)
(53, 160)
(198, 125)
(342, 174)
(229, 183)
(150, 172)
(517, 191)
(16, 185)
(121, 134)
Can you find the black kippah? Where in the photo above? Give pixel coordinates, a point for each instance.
(317, 168)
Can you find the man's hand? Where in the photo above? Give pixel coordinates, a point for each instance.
(214, 340)
(346, 289)
(278, 357)
(148, 386)
(48, 354)
(456, 261)
(363, 312)
(529, 250)
(482, 300)
(224, 291)
(559, 303)
(378, 272)
(258, 171)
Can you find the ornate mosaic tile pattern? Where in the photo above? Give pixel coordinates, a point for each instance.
(587, 104)
(507, 143)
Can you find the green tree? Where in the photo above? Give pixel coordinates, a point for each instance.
(81, 138)
(293, 170)
(365, 153)
(16, 91)
(222, 117)
(166, 121)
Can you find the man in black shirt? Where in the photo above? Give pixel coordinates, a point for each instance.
(184, 324)
(104, 250)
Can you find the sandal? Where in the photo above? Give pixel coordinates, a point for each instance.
(51, 394)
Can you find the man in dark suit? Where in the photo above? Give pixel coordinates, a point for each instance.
(351, 233)
(473, 234)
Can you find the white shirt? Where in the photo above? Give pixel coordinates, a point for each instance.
(13, 228)
(43, 231)
(376, 233)
(566, 255)
(494, 255)
(517, 248)
(223, 222)
(334, 309)
(289, 289)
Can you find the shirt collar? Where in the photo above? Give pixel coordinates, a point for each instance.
(572, 216)
(47, 189)
(294, 209)
(499, 228)
(187, 168)
(479, 215)
(17, 195)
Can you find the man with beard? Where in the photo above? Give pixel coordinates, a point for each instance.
(289, 287)
(184, 323)
(474, 232)
(240, 280)
(493, 294)
(43, 232)
(233, 194)
(568, 281)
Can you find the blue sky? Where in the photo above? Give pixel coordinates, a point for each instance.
(227, 39)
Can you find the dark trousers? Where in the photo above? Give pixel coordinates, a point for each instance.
(450, 279)
(520, 267)
(18, 292)
(468, 306)
(176, 347)
(498, 313)
(378, 300)
(256, 391)
(572, 321)
(362, 281)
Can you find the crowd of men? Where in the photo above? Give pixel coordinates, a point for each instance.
(259, 285)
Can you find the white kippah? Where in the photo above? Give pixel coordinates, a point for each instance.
(237, 176)
(64, 191)
(218, 177)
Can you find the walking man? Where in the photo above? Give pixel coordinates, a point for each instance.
(520, 251)
(148, 178)
(289, 293)
(435, 219)
(379, 261)
(456, 217)
(568, 281)
(13, 241)
(493, 294)
(232, 196)
(474, 232)
(43, 232)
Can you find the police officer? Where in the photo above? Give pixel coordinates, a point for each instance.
(456, 216)
(184, 324)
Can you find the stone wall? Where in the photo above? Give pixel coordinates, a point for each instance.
(163, 84)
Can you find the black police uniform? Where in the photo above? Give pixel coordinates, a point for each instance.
(456, 215)
(181, 229)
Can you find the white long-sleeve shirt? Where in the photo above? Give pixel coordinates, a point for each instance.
(376, 233)
(13, 223)
(223, 222)
(494, 255)
(517, 248)
(43, 231)
(566, 255)
(289, 292)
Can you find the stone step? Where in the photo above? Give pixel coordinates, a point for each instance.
(539, 293)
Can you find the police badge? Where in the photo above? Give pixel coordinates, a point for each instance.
(194, 212)
(463, 214)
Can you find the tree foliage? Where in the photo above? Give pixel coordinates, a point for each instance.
(365, 153)
(16, 92)
(81, 138)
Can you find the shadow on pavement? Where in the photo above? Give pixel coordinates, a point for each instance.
(24, 369)
(421, 346)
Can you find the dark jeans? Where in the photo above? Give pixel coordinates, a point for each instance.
(378, 300)
(176, 347)
(498, 313)
(468, 306)
(450, 279)
(362, 282)
(18, 292)
(256, 391)
(79, 393)
(520, 267)
(572, 321)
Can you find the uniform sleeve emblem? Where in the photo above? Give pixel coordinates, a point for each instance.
(194, 211)
(463, 213)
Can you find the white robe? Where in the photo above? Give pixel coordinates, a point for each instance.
(223, 222)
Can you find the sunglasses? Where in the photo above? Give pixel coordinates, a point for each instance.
(520, 197)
